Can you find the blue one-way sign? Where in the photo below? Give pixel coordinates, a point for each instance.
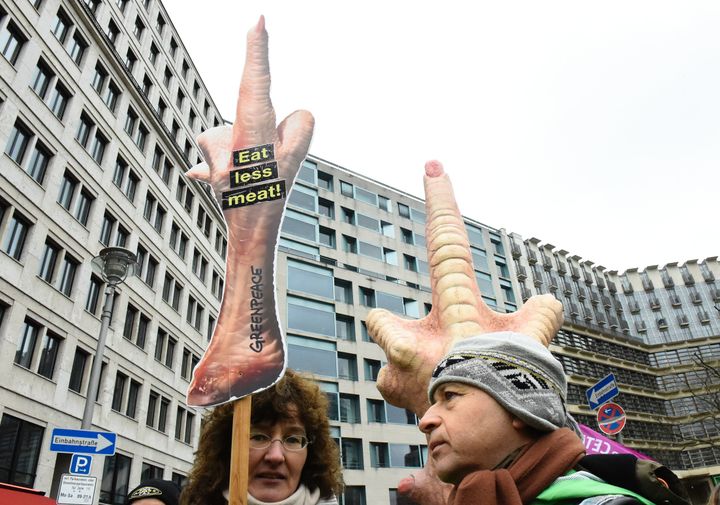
(83, 441)
(605, 390)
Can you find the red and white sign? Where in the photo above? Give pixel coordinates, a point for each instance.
(611, 418)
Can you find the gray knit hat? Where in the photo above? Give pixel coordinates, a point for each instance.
(517, 371)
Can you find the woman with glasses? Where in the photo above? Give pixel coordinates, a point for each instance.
(293, 460)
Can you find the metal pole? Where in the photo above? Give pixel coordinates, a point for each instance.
(94, 383)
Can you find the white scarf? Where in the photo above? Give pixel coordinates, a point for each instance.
(303, 496)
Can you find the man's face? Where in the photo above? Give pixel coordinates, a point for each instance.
(468, 431)
(147, 501)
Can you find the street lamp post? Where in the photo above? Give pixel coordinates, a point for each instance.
(114, 264)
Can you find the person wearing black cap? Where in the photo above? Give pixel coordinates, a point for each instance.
(155, 492)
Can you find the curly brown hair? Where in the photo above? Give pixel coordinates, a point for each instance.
(210, 473)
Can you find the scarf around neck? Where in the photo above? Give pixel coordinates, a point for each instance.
(303, 496)
(535, 468)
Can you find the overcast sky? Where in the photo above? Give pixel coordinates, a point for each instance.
(591, 126)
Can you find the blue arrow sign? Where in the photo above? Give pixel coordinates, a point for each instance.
(83, 441)
(605, 390)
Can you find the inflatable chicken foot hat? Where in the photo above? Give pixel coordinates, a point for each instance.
(414, 347)
(250, 166)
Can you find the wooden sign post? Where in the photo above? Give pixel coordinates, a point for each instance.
(240, 452)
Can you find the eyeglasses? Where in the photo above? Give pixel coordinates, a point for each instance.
(291, 442)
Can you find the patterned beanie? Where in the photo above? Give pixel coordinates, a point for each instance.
(518, 372)
(164, 490)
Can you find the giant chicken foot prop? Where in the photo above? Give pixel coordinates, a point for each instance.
(247, 351)
(414, 347)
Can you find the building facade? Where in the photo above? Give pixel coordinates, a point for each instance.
(100, 106)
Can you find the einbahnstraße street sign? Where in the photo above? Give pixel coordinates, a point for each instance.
(83, 441)
(603, 391)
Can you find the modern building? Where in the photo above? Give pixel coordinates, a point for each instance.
(99, 108)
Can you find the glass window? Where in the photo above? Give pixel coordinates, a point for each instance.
(112, 32)
(326, 208)
(345, 327)
(347, 366)
(61, 26)
(502, 267)
(115, 479)
(99, 77)
(349, 244)
(311, 355)
(365, 196)
(77, 373)
(48, 354)
(372, 369)
(403, 455)
(349, 408)
(379, 455)
(403, 210)
(367, 297)
(76, 48)
(310, 279)
(15, 235)
(49, 260)
(475, 235)
(387, 229)
(307, 172)
(26, 349)
(327, 237)
(112, 93)
(68, 270)
(133, 393)
(303, 197)
(390, 302)
(67, 190)
(11, 41)
(39, 161)
(346, 189)
(41, 79)
(311, 316)
(497, 244)
(485, 283)
(352, 457)
(376, 411)
(58, 100)
(370, 250)
(343, 291)
(417, 215)
(17, 143)
(325, 181)
(82, 208)
(21, 443)
(151, 472)
(389, 256)
(119, 391)
(300, 225)
(480, 261)
(368, 222)
(83, 132)
(399, 416)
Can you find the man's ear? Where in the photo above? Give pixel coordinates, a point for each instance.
(519, 424)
